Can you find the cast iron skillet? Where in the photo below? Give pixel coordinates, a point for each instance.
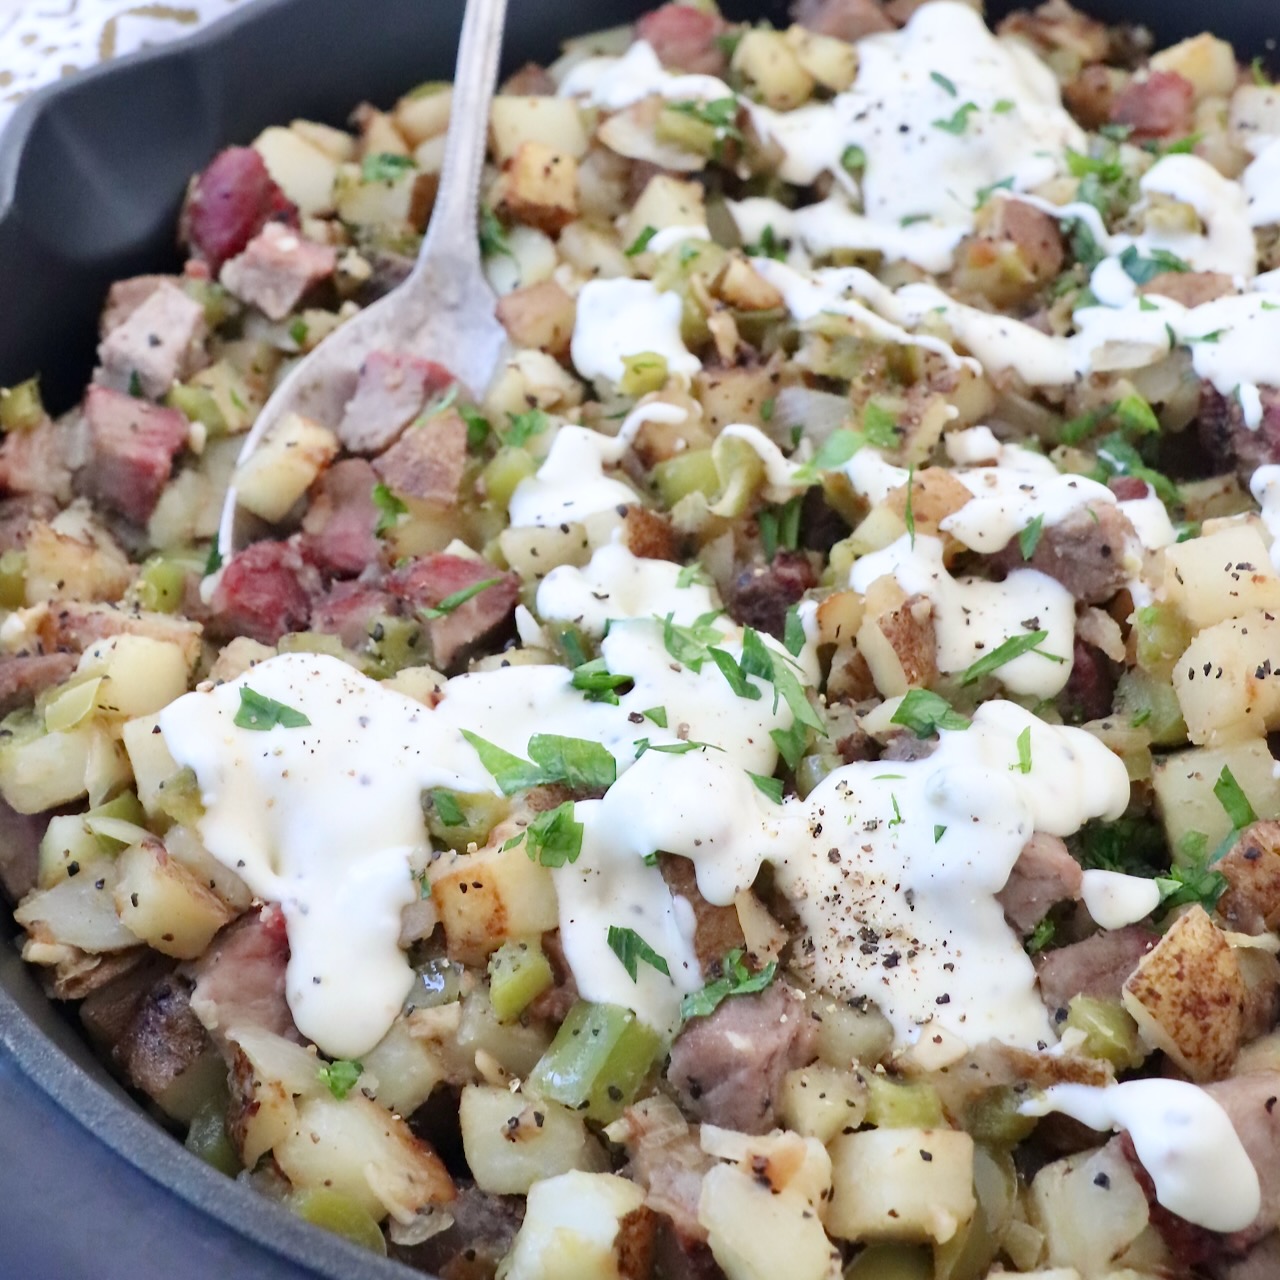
(91, 176)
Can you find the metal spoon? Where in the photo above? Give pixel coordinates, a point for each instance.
(444, 310)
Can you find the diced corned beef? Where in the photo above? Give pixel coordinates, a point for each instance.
(1230, 441)
(37, 461)
(126, 296)
(277, 269)
(428, 460)
(484, 1228)
(530, 81)
(1158, 106)
(156, 345)
(726, 1069)
(1191, 288)
(20, 835)
(164, 1039)
(1044, 875)
(264, 592)
(22, 677)
(1058, 25)
(338, 529)
(684, 38)
(110, 1009)
(392, 390)
(240, 980)
(844, 19)
(760, 595)
(434, 578)
(17, 515)
(1262, 1262)
(1127, 488)
(348, 610)
(1251, 866)
(132, 445)
(1090, 690)
(717, 930)
(230, 203)
(1096, 966)
(1084, 552)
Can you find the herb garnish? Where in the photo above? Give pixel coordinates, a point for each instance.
(456, 599)
(631, 949)
(1006, 652)
(925, 712)
(262, 713)
(738, 980)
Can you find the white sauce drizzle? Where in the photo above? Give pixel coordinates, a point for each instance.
(972, 616)
(1265, 487)
(1182, 1136)
(876, 860)
(617, 318)
(1114, 899)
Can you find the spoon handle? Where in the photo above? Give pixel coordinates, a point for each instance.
(451, 237)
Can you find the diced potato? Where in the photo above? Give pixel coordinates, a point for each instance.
(539, 315)
(831, 62)
(238, 656)
(531, 258)
(848, 1034)
(284, 466)
(742, 286)
(424, 114)
(762, 1214)
(554, 122)
(304, 172)
(1204, 60)
(539, 187)
(1187, 996)
(533, 553)
(1093, 1213)
(1252, 870)
(185, 846)
(897, 639)
(665, 202)
(361, 1150)
(1255, 113)
(885, 1188)
(66, 842)
(191, 503)
(40, 771)
(511, 1141)
(727, 396)
(770, 62)
(822, 1101)
(1184, 782)
(1228, 680)
(150, 759)
(139, 675)
(490, 896)
(574, 1227)
(74, 559)
(78, 912)
(593, 252)
(402, 1070)
(388, 202)
(164, 904)
(378, 133)
(1223, 575)
(337, 144)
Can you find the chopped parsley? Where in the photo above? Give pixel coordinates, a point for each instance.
(672, 748)
(1232, 798)
(738, 980)
(658, 715)
(925, 712)
(793, 636)
(524, 426)
(259, 712)
(908, 512)
(478, 427)
(957, 123)
(446, 807)
(389, 508)
(772, 787)
(493, 235)
(457, 598)
(691, 645)
(1143, 270)
(340, 1076)
(733, 672)
(779, 528)
(298, 331)
(1135, 415)
(554, 837)
(598, 682)
(577, 762)
(383, 166)
(1006, 652)
(1118, 457)
(948, 86)
(1024, 751)
(631, 949)
(853, 159)
(691, 574)
(791, 743)
(640, 243)
(1040, 936)
(1029, 538)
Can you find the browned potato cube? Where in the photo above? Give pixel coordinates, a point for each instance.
(539, 315)
(1187, 996)
(540, 187)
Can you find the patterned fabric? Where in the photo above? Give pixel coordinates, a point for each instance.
(45, 40)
